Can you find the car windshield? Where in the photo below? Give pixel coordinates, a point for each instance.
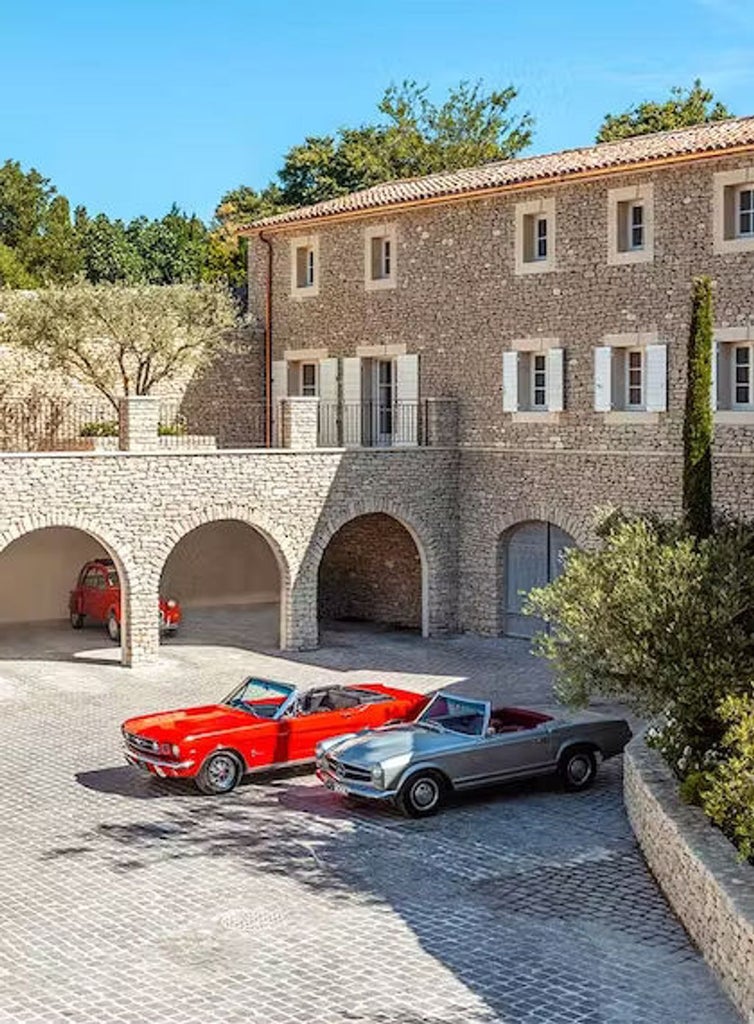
(260, 697)
(112, 578)
(455, 714)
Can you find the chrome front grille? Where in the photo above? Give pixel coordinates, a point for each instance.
(341, 770)
(141, 743)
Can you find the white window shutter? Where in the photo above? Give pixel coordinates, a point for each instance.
(351, 410)
(555, 380)
(279, 390)
(713, 389)
(656, 363)
(328, 401)
(406, 411)
(603, 358)
(510, 381)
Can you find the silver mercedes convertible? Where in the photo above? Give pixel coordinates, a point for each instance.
(457, 743)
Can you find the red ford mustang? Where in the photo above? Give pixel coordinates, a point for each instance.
(96, 596)
(260, 725)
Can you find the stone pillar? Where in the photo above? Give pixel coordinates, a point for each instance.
(300, 423)
(442, 422)
(140, 631)
(137, 423)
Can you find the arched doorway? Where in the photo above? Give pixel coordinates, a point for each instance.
(531, 556)
(38, 572)
(373, 570)
(227, 579)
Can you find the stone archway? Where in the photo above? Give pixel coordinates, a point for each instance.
(40, 563)
(231, 580)
(374, 569)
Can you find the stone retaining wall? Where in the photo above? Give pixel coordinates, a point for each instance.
(708, 887)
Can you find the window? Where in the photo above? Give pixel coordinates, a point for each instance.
(538, 380)
(533, 378)
(634, 378)
(630, 232)
(733, 211)
(304, 266)
(745, 212)
(635, 226)
(309, 380)
(631, 375)
(379, 257)
(741, 383)
(535, 236)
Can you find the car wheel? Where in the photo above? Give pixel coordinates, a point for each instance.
(219, 774)
(578, 768)
(422, 794)
(113, 628)
(77, 621)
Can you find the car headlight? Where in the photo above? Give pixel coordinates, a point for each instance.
(171, 603)
(175, 750)
(378, 775)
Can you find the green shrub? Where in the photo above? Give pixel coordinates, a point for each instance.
(99, 428)
(727, 790)
(697, 422)
(171, 429)
(659, 619)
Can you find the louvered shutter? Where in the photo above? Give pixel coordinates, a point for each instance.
(555, 380)
(351, 409)
(328, 402)
(713, 389)
(656, 362)
(279, 391)
(406, 410)
(603, 356)
(510, 381)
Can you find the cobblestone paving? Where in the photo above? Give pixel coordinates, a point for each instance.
(127, 899)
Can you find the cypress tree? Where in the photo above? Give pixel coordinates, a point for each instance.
(697, 424)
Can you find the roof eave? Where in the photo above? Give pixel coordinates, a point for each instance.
(249, 230)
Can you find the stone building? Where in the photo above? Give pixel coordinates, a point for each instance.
(459, 368)
(549, 298)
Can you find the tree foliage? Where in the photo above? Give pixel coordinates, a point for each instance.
(121, 340)
(656, 617)
(685, 107)
(697, 424)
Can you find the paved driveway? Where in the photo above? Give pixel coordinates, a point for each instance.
(126, 899)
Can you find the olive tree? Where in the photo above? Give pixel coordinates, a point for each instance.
(120, 340)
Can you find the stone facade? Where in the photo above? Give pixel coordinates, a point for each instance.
(709, 889)
(459, 304)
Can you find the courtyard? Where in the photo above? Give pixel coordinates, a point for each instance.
(126, 898)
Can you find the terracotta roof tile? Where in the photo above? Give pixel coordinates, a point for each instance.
(713, 136)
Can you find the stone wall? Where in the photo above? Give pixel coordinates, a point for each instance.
(371, 571)
(710, 890)
(139, 505)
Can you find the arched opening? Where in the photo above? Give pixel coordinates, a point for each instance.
(531, 555)
(373, 571)
(227, 579)
(55, 578)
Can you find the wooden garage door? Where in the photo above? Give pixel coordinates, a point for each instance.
(532, 558)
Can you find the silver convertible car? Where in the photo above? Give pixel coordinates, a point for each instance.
(456, 744)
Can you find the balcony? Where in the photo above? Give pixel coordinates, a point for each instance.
(373, 424)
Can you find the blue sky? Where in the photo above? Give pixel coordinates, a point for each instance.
(128, 105)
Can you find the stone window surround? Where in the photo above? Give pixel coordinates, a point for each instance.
(535, 345)
(643, 192)
(387, 231)
(522, 212)
(722, 180)
(732, 336)
(631, 339)
(304, 242)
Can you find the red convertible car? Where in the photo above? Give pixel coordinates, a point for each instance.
(96, 596)
(259, 726)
